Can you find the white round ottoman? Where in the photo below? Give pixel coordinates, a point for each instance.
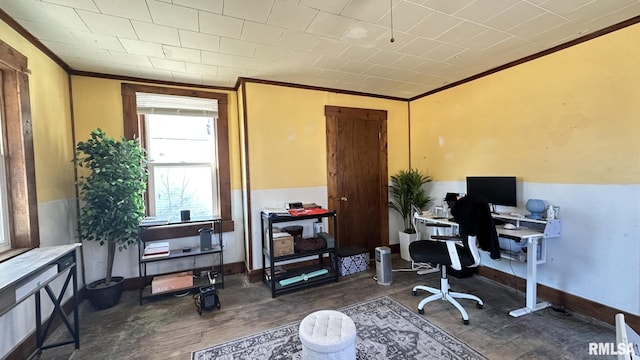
(328, 334)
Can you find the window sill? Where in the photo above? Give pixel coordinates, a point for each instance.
(9, 254)
(182, 230)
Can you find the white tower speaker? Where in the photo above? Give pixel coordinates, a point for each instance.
(383, 265)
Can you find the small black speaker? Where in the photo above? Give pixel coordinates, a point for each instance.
(205, 239)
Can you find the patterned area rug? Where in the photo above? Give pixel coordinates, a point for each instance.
(385, 329)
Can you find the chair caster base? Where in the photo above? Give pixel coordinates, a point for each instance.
(415, 293)
(421, 311)
(466, 322)
(479, 306)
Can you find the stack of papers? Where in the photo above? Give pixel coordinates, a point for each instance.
(156, 250)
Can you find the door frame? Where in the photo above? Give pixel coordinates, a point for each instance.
(332, 113)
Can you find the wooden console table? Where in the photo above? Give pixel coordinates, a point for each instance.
(33, 271)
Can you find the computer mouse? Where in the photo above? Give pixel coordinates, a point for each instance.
(509, 226)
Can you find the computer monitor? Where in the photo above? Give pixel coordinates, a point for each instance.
(498, 190)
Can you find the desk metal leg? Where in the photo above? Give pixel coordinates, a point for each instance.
(532, 261)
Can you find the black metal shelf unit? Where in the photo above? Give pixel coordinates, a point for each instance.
(199, 281)
(331, 274)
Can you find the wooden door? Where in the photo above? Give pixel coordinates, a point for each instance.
(357, 175)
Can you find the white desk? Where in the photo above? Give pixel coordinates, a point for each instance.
(551, 230)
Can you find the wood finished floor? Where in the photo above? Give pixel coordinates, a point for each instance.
(170, 328)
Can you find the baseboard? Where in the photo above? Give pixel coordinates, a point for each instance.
(559, 298)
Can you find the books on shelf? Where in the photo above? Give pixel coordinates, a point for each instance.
(152, 220)
(156, 250)
(275, 211)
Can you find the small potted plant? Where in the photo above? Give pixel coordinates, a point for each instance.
(112, 204)
(406, 190)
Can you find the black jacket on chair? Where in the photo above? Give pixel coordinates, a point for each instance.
(473, 215)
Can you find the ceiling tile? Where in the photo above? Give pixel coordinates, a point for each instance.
(536, 25)
(408, 62)
(220, 25)
(297, 40)
(271, 52)
(359, 53)
(257, 11)
(485, 39)
(366, 10)
(99, 41)
(261, 33)
(166, 64)
(237, 47)
(44, 13)
(181, 54)
(136, 10)
(444, 51)
(107, 24)
(363, 33)
(597, 9)
(79, 4)
(127, 59)
(156, 33)
(206, 70)
(385, 58)
(419, 46)
(355, 67)
(448, 6)
(480, 11)
(142, 47)
(214, 58)
(329, 25)
(332, 6)
(330, 62)
(291, 16)
(434, 25)
(173, 15)
(514, 16)
(564, 7)
(200, 41)
(49, 32)
(461, 32)
(214, 6)
(405, 16)
(330, 46)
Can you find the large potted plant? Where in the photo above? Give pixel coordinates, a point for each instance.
(406, 190)
(111, 203)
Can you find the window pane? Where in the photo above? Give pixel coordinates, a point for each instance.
(177, 188)
(175, 139)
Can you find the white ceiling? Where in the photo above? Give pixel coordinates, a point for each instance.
(339, 44)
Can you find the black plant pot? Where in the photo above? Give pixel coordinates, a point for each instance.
(102, 296)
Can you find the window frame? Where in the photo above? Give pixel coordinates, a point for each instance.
(18, 145)
(133, 128)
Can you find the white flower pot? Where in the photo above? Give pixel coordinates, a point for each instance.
(405, 240)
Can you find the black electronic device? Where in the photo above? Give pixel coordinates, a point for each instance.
(207, 299)
(498, 190)
(205, 239)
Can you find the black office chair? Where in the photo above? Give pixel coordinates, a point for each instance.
(474, 220)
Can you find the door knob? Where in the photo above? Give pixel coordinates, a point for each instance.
(344, 198)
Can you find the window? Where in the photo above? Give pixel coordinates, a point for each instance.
(183, 172)
(17, 170)
(185, 133)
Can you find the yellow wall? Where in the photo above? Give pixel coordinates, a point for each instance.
(51, 120)
(570, 117)
(98, 103)
(287, 141)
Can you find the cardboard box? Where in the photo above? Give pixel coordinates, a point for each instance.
(352, 259)
(282, 243)
(164, 283)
